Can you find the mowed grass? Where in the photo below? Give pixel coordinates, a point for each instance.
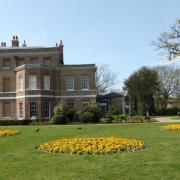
(160, 160)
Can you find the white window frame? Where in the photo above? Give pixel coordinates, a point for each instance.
(49, 110)
(85, 79)
(33, 104)
(47, 82)
(21, 110)
(70, 83)
(32, 85)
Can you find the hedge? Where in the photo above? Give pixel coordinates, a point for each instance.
(14, 122)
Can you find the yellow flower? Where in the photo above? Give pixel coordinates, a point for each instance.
(8, 132)
(172, 127)
(98, 145)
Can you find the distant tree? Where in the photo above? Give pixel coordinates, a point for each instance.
(105, 78)
(141, 87)
(169, 79)
(169, 42)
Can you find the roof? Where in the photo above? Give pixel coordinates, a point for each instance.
(109, 95)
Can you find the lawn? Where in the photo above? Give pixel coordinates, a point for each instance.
(176, 117)
(160, 160)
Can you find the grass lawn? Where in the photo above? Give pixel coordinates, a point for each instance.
(176, 117)
(160, 160)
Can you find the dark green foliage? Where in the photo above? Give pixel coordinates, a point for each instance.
(14, 122)
(86, 117)
(119, 118)
(123, 118)
(94, 109)
(59, 119)
(170, 111)
(141, 86)
(71, 115)
(113, 111)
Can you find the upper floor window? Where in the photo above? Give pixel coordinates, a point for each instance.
(84, 82)
(19, 62)
(6, 63)
(47, 82)
(47, 61)
(70, 83)
(6, 84)
(32, 82)
(34, 61)
(6, 109)
(20, 84)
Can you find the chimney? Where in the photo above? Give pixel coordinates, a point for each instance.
(61, 44)
(15, 41)
(3, 44)
(24, 44)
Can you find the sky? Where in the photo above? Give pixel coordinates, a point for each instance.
(118, 33)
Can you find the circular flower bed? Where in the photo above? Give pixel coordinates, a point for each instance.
(172, 127)
(99, 145)
(8, 132)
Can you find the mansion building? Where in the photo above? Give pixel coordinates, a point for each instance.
(34, 79)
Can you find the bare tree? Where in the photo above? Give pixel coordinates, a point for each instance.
(105, 78)
(169, 78)
(169, 42)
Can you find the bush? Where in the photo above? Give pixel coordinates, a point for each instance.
(86, 117)
(119, 118)
(71, 115)
(14, 122)
(59, 119)
(113, 111)
(171, 111)
(94, 109)
(137, 119)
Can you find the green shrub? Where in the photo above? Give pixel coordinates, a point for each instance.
(113, 111)
(94, 109)
(14, 122)
(119, 118)
(86, 117)
(59, 119)
(71, 115)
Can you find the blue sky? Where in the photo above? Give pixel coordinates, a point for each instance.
(114, 32)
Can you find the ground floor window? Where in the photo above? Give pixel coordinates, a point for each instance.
(6, 109)
(47, 109)
(33, 110)
(21, 110)
(71, 105)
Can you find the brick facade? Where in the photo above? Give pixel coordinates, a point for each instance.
(34, 79)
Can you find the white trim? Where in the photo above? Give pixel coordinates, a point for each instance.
(7, 92)
(51, 96)
(11, 98)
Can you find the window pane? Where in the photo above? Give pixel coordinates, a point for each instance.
(35, 61)
(84, 82)
(47, 82)
(33, 110)
(71, 105)
(6, 110)
(6, 85)
(19, 62)
(32, 82)
(47, 109)
(6, 62)
(70, 83)
(20, 110)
